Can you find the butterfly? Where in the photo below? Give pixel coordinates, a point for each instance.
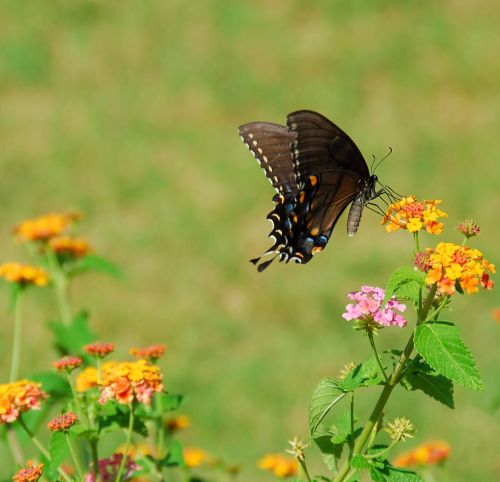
(317, 171)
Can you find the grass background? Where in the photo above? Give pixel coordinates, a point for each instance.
(128, 112)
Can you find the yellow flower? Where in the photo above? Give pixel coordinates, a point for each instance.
(194, 456)
(449, 264)
(86, 379)
(178, 423)
(129, 381)
(23, 274)
(414, 215)
(45, 227)
(279, 465)
(19, 397)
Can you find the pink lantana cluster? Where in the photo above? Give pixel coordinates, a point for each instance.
(367, 308)
(108, 469)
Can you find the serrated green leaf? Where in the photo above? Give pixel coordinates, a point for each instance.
(341, 428)
(323, 439)
(81, 431)
(423, 377)
(440, 345)
(395, 474)
(376, 475)
(359, 462)
(117, 416)
(405, 283)
(70, 339)
(363, 375)
(58, 449)
(324, 397)
(92, 262)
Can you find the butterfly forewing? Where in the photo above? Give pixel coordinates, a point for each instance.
(271, 146)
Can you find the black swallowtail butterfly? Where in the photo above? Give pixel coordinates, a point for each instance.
(317, 171)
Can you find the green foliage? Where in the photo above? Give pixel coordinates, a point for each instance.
(439, 343)
(55, 384)
(324, 397)
(115, 416)
(405, 283)
(97, 264)
(362, 375)
(72, 338)
(59, 452)
(174, 457)
(421, 376)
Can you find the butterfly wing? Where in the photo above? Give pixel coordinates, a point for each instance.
(321, 145)
(271, 145)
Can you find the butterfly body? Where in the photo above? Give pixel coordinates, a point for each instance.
(317, 171)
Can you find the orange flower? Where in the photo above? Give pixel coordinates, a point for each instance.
(178, 423)
(194, 456)
(69, 247)
(68, 364)
(31, 473)
(19, 397)
(413, 215)
(99, 349)
(62, 423)
(449, 264)
(129, 381)
(45, 227)
(279, 465)
(152, 352)
(426, 454)
(23, 274)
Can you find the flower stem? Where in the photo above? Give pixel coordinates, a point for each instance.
(387, 390)
(127, 444)
(75, 458)
(15, 448)
(304, 469)
(374, 348)
(42, 449)
(417, 242)
(95, 458)
(60, 285)
(17, 339)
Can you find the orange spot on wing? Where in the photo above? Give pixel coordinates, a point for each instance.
(313, 180)
(314, 231)
(302, 196)
(316, 249)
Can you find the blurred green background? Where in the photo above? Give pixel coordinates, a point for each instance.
(128, 111)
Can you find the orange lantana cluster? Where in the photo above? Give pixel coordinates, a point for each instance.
(129, 381)
(152, 352)
(19, 397)
(30, 473)
(426, 454)
(279, 465)
(45, 227)
(449, 264)
(69, 247)
(63, 422)
(414, 215)
(23, 274)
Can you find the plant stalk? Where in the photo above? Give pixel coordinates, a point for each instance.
(127, 444)
(17, 339)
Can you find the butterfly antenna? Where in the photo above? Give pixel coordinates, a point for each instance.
(373, 162)
(383, 159)
(375, 208)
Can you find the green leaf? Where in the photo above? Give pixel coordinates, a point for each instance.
(323, 439)
(324, 397)
(440, 345)
(423, 377)
(55, 384)
(376, 475)
(72, 338)
(394, 474)
(92, 262)
(81, 431)
(117, 416)
(341, 428)
(363, 375)
(405, 284)
(359, 462)
(175, 457)
(58, 449)
(162, 403)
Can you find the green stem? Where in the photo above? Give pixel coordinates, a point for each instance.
(417, 242)
(75, 458)
(382, 452)
(95, 458)
(42, 449)
(387, 390)
(127, 444)
(374, 348)
(15, 448)
(60, 285)
(304, 469)
(17, 339)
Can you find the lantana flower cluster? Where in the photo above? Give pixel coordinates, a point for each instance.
(152, 352)
(129, 381)
(19, 397)
(69, 247)
(414, 215)
(449, 264)
(23, 274)
(279, 465)
(63, 422)
(108, 469)
(30, 473)
(425, 454)
(368, 308)
(45, 227)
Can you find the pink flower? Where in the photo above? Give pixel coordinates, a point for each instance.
(108, 469)
(368, 308)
